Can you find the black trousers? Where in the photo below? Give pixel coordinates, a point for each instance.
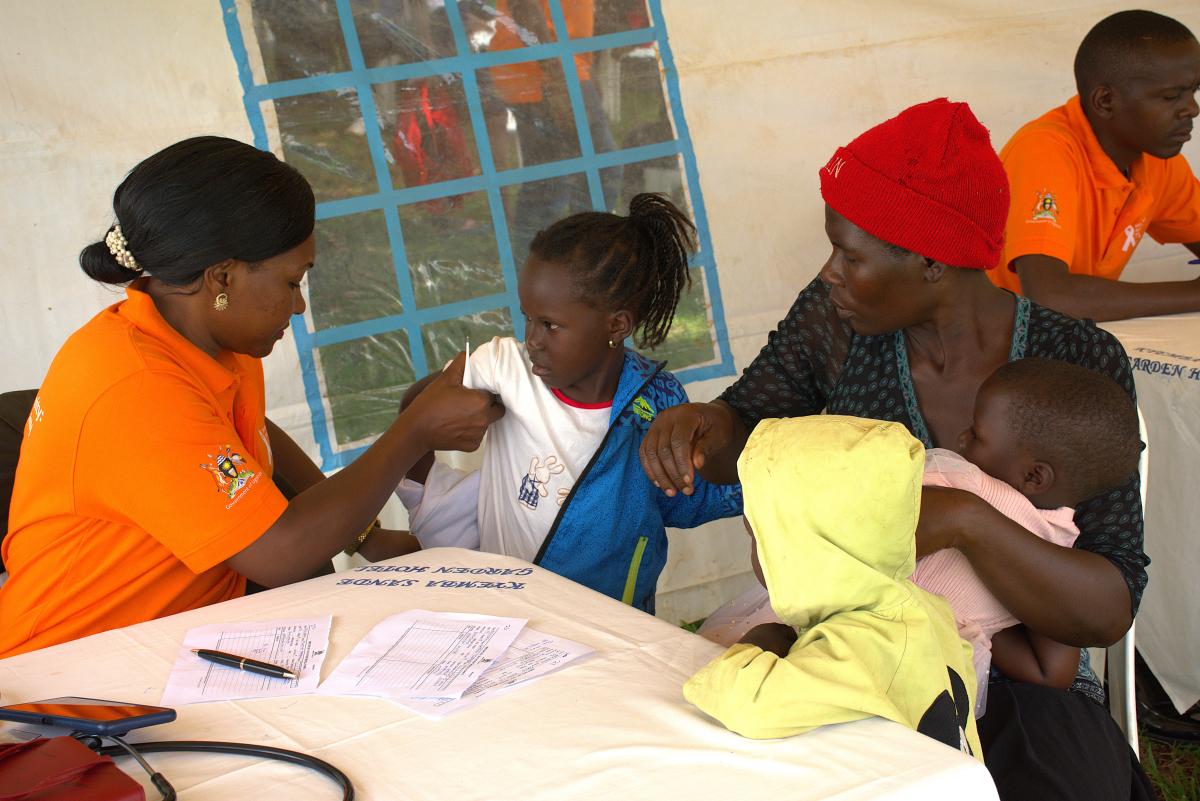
(1043, 744)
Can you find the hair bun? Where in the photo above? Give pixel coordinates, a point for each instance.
(100, 265)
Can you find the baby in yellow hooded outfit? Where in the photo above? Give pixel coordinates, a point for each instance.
(833, 505)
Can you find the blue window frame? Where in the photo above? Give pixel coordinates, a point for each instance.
(384, 215)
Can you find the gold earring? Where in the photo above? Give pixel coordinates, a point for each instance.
(221, 302)
(612, 344)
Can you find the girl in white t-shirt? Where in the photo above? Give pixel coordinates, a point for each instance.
(561, 483)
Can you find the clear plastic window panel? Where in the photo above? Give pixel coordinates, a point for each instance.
(444, 339)
(624, 101)
(615, 16)
(298, 39)
(487, 98)
(451, 249)
(323, 136)
(364, 380)
(394, 32)
(426, 130)
(497, 25)
(534, 205)
(664, 176)
(529, 100)
(508, 24)
(354, 277)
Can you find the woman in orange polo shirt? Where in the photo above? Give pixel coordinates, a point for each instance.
(144, 486)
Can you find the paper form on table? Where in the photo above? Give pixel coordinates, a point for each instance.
(531, 656)
(420, 654)
(298, 645)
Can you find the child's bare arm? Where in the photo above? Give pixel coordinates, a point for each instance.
(1024, 655)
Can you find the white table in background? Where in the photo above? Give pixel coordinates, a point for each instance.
(614, 725)
(1165, 352)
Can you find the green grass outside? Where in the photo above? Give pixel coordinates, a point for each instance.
(1174, 769)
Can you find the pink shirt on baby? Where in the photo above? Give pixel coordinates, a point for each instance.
(949, 574)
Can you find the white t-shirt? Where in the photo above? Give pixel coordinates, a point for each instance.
(533, 455)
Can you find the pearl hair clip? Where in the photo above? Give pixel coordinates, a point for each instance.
(119, 248)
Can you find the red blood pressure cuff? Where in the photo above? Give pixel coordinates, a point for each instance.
(62, 769)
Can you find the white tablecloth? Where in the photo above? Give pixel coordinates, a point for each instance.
(615, 725)
(1165, 352)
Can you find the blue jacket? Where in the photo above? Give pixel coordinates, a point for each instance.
(610, 533)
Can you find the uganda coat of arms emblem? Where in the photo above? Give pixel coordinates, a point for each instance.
(1046, 208)
(228, 471)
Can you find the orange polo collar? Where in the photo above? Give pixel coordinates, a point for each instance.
(139, 310)
(1104, 170)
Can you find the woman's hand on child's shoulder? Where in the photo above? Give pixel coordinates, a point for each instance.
(680, 441)
(778, 638)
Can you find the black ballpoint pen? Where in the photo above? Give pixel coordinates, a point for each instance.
(244, 663)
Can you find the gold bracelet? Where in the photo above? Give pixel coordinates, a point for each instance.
(353, 547)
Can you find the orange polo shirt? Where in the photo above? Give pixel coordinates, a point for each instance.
(145, 465)
(1070, 201)
(521, 83)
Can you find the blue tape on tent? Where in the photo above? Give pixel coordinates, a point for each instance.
(490, 181)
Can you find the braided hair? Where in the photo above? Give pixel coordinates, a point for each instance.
(639, 262)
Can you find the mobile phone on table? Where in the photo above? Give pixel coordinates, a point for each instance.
(88, 715)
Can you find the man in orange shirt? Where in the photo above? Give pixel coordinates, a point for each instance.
(1090, 178)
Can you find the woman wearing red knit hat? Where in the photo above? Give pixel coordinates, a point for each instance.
(902, 324)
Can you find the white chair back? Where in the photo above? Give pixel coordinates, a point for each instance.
(1119, 661)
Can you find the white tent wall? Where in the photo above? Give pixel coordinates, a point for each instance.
(769, 89)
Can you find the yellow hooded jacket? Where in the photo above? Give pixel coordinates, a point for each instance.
(834, 502)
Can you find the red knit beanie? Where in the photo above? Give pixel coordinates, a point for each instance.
(927, 180)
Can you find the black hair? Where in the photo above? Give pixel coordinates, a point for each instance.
(1082, 420)
(199, 202)
(1115, 46)
(639, 262)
